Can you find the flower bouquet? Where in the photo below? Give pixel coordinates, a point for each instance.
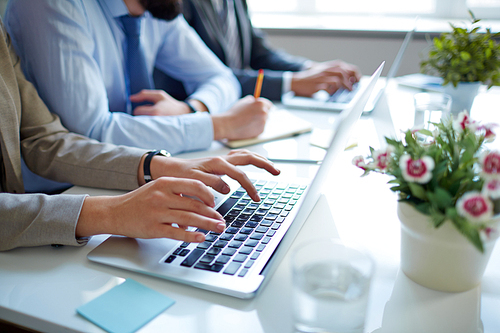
(446, 174)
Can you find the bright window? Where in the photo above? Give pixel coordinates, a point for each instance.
(484, 9)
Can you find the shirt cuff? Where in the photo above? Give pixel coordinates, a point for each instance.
(199, 131)
(287, 82)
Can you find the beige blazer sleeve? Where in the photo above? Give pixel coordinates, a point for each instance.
(27, 127)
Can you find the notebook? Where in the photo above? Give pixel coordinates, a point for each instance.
(343, 98)
(279, 125)
(239, 261)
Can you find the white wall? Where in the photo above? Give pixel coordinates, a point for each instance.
(366, 50)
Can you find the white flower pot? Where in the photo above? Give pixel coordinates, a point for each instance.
(440, 259)
(462, 96)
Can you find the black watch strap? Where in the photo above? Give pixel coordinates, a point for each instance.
(147, 163)
(191, 107)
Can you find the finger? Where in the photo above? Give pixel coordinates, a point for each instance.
(145, 110)
(224, 167)
(149, 95)
(193, 204)
(192, 219)
(244, 157)
(180, 234)
(190, 187)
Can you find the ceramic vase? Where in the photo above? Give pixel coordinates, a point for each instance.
(439, 258)
(462, 96)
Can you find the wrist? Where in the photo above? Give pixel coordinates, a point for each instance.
(95, 217)
(148, 170)
(219, 127)
(197, 105)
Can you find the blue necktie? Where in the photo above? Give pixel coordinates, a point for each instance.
(137, 71)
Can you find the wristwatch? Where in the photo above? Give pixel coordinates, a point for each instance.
(191, 107)
(147, 162)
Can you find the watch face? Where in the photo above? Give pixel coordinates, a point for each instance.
(163, 152)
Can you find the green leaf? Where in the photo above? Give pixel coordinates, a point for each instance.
(418, 191)
(465, 55)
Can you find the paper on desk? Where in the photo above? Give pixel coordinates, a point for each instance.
(280, 124)
(322, 138)
(421, 81)
(126, 307)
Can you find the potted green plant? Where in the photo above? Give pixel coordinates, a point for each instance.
(465, 58)
(449, 193)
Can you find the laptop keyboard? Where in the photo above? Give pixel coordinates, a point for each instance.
(343, 95)
(250, 226)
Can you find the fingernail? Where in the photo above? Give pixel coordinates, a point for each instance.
(200, 238)
(221, 226)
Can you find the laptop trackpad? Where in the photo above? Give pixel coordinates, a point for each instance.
(131, 252)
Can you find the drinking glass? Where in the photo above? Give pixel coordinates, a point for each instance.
(430, 107)
(331, 283)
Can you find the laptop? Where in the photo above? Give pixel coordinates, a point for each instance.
(343, 98)
(240, 260)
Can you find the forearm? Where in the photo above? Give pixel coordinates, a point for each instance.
(37, 219)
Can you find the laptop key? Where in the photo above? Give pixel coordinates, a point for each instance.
(232, 268)
(214, 251)
(204, 245)
(261, 229)
(235, 244)
(220, 243)
(211, 268)
(207, 259)
(266, 223)
(249, 263)
(243, 272)
(252, 242)
(266, 240)
(170, 259)
(240, 258)
(192, 258)
(226, 237)
(241, 237)
(222, 260)
(257, 236)
(210, 238)
(229, 251)
(184, 252)
(227, 205)
(246, 250)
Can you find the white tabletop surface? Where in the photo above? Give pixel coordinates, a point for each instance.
(40, 288)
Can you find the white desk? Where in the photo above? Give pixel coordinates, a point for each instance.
(40, 288)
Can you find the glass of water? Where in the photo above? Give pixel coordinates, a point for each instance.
(331, 283)
(430, 107)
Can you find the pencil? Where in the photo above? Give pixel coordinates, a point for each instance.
(258, 84)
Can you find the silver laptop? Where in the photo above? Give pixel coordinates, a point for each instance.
(343, 98)
(240, 260)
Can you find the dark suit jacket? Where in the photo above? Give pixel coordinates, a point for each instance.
(256, 52)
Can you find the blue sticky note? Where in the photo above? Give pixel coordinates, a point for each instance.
(125, 308)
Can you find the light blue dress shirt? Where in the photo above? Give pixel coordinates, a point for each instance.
(73, 52)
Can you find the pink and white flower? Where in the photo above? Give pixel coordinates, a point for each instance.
(491, 189)
(381, 159)
(488, 233)
(463, 121)
(418, 171)
(359, 161)
(475, 207)
(489, 135)
(490, 164)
